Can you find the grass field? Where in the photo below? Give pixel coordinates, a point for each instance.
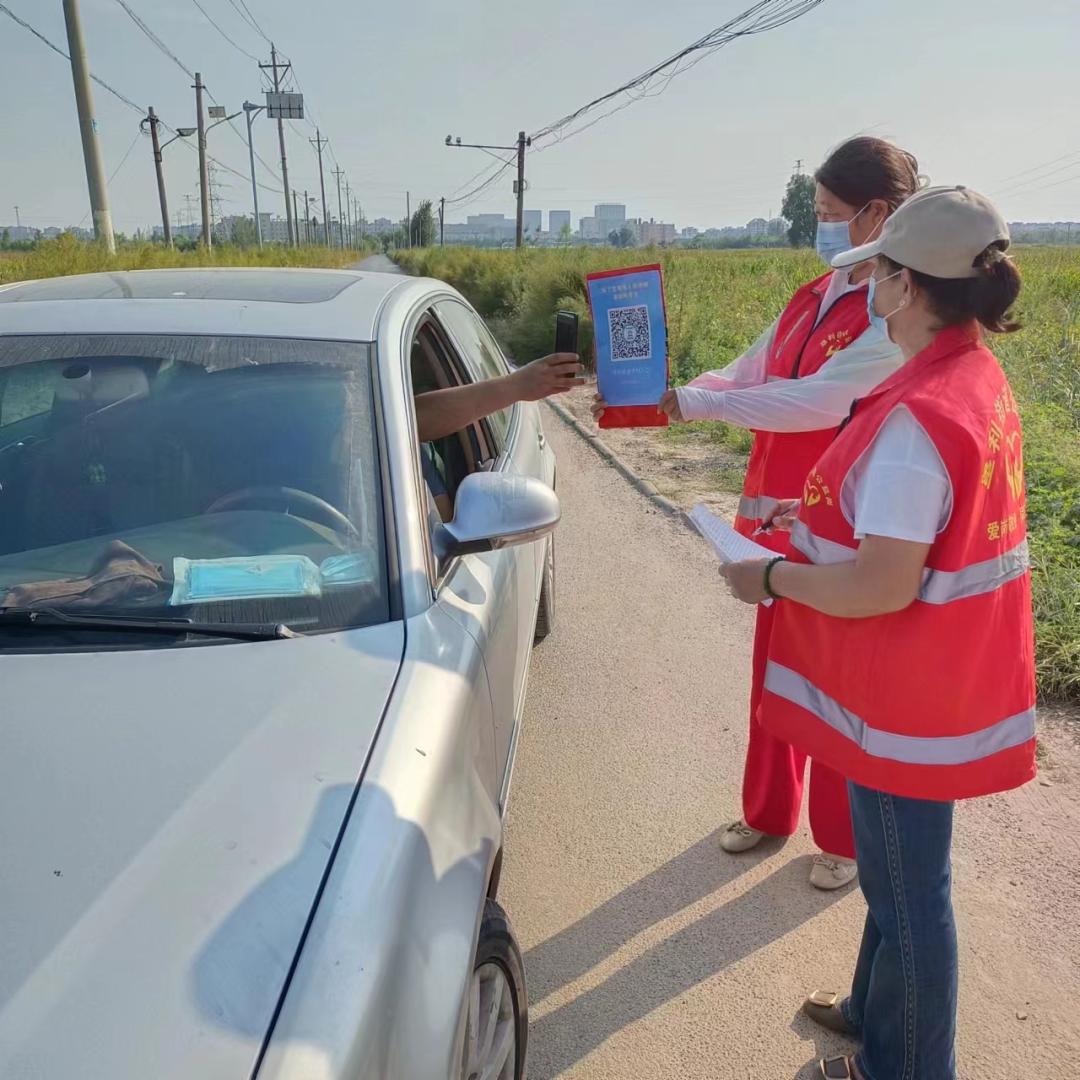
(718, 302)
(66, 255)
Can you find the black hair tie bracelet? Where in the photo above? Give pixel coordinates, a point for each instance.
(768, 578)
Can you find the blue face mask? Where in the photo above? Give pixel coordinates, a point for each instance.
(880, 322)
(833, 238)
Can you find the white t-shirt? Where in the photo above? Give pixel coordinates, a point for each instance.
(899, 487)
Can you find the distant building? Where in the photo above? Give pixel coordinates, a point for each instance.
(532, 222)
(757, 227)
(655, 232)
(689, 233)
(558, 220)
(610, 216)
(591, 228)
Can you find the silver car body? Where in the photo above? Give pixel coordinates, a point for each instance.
(265, 858)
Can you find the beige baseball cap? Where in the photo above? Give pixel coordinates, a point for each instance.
(939, 231)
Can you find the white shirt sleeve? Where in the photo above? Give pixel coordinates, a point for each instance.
(899, 487)
(816, 402)
(750, 369)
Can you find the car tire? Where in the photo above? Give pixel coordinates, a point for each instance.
(545, 615)
(496, 995)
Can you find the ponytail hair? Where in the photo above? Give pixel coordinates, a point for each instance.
(986, 297)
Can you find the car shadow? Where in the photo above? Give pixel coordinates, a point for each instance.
(764, 913)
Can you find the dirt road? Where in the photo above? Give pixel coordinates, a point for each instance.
(650, 953)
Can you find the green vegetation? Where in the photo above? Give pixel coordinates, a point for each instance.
(718, 302)
(66, 255)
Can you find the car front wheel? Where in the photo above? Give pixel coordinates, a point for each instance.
(496, 1032)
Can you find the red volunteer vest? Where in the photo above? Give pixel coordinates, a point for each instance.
(936, 701)
(779, 461)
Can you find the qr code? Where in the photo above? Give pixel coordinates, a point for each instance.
(630, 333)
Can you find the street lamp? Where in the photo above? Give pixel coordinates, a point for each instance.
(251, 111)
(181, 133)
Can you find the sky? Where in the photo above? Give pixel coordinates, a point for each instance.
(983, 92)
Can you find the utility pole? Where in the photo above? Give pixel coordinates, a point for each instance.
(95, 171)
(520, 187)
(442, 218)
(153, 121)
(189, 199)
(339, 172)
(523, 142)
(359, 215)
(307, 218)
(204, 175)
(408, 221)
(319, 142)
(290, 211)
(295, 218)
(18, 221)
(348, 216)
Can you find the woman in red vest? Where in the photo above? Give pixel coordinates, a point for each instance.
(902, 653)
(792, 388)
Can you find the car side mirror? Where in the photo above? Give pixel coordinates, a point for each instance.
(495, 510)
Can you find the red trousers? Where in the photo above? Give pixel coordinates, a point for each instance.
(773, 778)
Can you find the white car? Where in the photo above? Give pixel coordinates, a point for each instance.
(260, 701)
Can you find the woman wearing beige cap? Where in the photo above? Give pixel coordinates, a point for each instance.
(902, 654)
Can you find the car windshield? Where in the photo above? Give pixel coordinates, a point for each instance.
(192, 479)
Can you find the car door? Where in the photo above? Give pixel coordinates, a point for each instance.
(479, 590)
(517, 444)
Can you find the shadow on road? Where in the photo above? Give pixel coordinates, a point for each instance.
(825, 1044)
(766, 912)
(697, 872)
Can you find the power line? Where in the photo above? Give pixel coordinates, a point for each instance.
(156, 40)
(210, 20)
(761, 17)
(246, 15)
(60, 52)
(472, 195)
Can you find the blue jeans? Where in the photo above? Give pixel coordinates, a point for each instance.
(903, 995)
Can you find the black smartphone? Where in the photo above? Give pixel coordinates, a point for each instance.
(566, 332)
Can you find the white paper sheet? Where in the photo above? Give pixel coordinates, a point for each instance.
(729, 545)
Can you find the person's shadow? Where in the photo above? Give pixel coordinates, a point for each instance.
(749, 922)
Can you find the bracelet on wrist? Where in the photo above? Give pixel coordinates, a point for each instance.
(768, 577)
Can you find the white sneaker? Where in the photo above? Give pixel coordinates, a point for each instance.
(832, 871)
(738, 837)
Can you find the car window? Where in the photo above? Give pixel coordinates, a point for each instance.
(481, 352)
(217, 479)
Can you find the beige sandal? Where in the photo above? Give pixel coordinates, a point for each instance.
(823, 1007)
(839, 1068)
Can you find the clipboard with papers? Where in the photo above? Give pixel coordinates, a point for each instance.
(730, 546)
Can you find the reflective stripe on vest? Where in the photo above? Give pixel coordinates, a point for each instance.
(756, 507)
(908, 749)
(944, 586)
(817, 549)
(938, 586)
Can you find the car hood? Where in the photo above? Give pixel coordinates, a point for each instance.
(166, 819)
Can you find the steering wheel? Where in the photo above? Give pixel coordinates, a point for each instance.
(285, 496)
